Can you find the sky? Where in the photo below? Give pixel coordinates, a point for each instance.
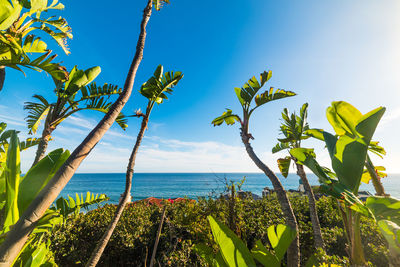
(323, 50)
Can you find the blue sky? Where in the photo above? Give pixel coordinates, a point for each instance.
(322, 50)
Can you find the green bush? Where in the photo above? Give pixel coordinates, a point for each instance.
(186, 224)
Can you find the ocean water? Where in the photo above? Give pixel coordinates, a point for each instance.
(191, 185)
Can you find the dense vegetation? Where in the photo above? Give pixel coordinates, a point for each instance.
(186, 225)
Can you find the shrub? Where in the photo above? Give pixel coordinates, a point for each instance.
(186, 224)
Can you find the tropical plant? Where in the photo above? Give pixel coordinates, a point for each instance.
(293, 127)
(234, 252)
(18, 20)
(4, 142)
(17, 192)
(371, 172)
(155, 90)
(18, 236)
(77, 94)
(246, 95)
(348, 153)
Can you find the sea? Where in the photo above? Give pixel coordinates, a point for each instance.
(191, 185)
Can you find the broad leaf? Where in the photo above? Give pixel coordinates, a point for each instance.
(226, 117)
(280, 238)
(284, 165)
(233, 250)
(264, 256)
(39, 175)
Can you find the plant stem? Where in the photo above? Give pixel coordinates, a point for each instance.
(101, 245)
(153, 255)
(18, 235)
(293, 253)
(318, 241)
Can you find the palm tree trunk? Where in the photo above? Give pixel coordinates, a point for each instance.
(18, 235)
(376, 180)
(2, 76)
(101, 245)
(318, 241)
(293, 253)
(42, 146)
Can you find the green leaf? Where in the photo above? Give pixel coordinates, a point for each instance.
(233, 250)
(33, 44)
(262, 255)
(284, 165)
(384, 208)
(9, 12)
(280, 146)
(226, 117)
(391, 232)
(271, 95)
(36, 113)
(39, 175)
(316, 133)
(280, 238)
(306, 157)
(12, 179)
(159, 84)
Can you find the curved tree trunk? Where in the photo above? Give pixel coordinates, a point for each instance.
(101, 245)
(42, 146)
(318, 241)
(293, 253)
(18, 235)
(2, 76)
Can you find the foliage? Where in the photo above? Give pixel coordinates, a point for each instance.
(18, 20)
(249, 94)
(78, 93)
(293, 128)
(17, 192)
(186, 224)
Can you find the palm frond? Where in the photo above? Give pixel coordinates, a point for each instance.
(159, 84)
(34, 44)
(271, 95)
(30, 142)
(60, 35)
(94, 91)
(280, 146)
(101, 104)
(36, 113)
(250, 89)
(226, 117)
(41, 63)
(158, 4)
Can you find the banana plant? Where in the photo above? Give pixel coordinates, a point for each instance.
(371, 172)
(17, 192)
(4, 142)
(348, 153)
(19, 20)
(233, 251)
(155, 89)
(246, 95)
(78, 93)
(293, 128)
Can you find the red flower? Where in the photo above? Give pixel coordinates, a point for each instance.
(170, 200)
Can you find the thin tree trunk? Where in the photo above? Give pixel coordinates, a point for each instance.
(318, 241)
(101, 245)
(376, 180)
(18, 235)
(2, 76)
(153, 255)
(42, 146)
(293, 253)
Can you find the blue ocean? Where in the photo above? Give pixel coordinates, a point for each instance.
(191, 185)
